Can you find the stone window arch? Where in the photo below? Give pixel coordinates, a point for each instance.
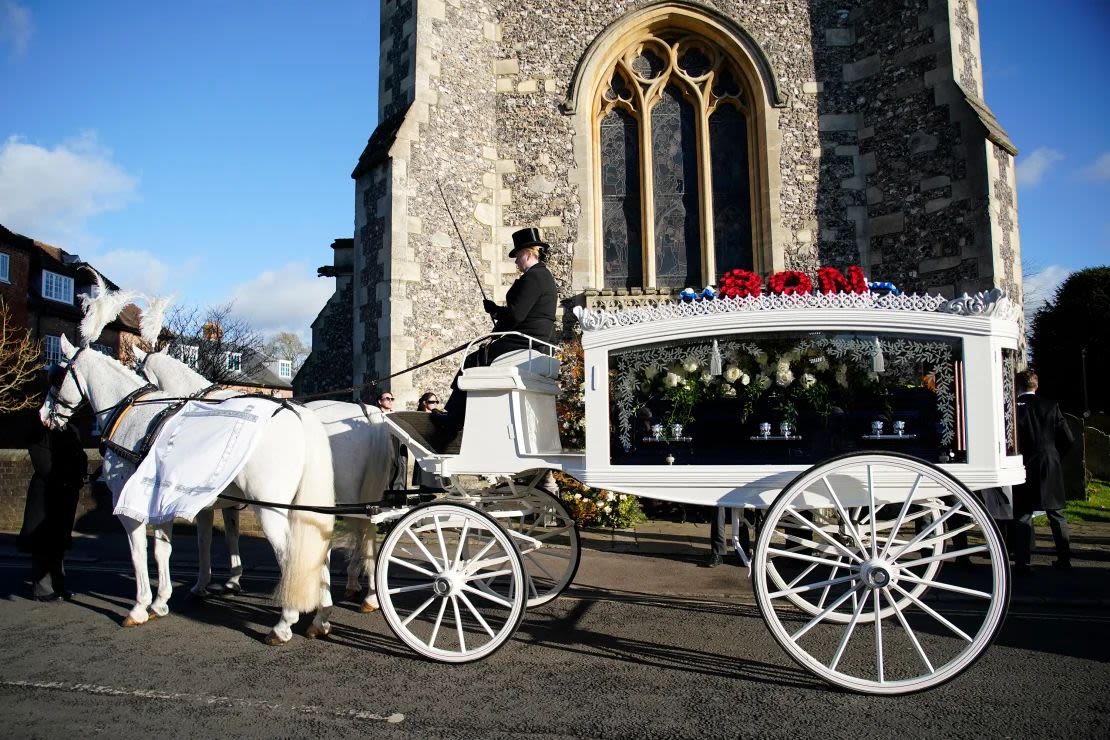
(677, 107)
(674, 142)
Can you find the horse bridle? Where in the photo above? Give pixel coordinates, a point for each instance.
(55, 389)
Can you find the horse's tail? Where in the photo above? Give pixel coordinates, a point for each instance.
(309, 532)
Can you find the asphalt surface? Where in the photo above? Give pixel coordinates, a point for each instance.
(642, 646)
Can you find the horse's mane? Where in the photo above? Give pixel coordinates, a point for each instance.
(101, 308)
(150, 325)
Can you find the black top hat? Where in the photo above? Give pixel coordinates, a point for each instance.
(529, 237)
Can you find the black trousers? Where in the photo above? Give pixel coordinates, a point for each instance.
(717, 531)
(1022, 535)
(48, 573)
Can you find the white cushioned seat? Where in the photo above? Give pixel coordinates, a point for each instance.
(529, 361)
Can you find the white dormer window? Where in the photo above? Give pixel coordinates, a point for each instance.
(57, 287)
(285, 369)
(5, 276)
(235, 361)
(188, 353)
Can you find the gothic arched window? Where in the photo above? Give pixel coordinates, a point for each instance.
(673, 132)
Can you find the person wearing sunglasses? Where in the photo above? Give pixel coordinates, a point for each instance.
(400, 457)
(429, 404)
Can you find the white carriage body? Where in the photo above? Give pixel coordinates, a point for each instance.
(511, 423)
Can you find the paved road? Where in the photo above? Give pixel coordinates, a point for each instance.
(618, 658)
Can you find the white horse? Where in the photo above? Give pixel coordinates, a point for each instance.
(360, 449)
(291, 464)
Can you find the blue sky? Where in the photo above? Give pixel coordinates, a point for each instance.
(205, 148)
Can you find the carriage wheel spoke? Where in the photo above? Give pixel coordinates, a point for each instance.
(487, 575)
(418, 611)
(490, 595)
(442, 543)
(871, 501)
(932, 613)
(927, 530)
(539, 566)
(844, 515)
(431, 558)
(946, 555)
(462, 540)
(945, 586)
(909, 632)
(489, 546)
(458, 624)
(486, 627)
(439, 621)
(803, 574)
(803, 556)
(406, 589)
(809, 546)
(847, 634)
(793, 513)
(809, 587)
(412, 566)
(878, 637)
(822, 614)
(932, 541)
(825, 592)
(901, 515)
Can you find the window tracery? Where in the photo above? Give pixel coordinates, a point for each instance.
(674, 136)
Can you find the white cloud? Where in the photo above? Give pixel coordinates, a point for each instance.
(1040, 287)
(285, 299)
(1032, 168)
(134, 270)
(50, 194)
(1099, 170)
(16, 27)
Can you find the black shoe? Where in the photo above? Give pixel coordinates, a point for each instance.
(1022, 570)
(1061, 564)
(713, 560)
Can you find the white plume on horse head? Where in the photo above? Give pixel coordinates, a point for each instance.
(150, 325)
(101, 308)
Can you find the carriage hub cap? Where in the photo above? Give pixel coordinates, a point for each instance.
(447, 584)
(878, 574)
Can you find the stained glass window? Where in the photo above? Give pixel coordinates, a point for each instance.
(678, 104)
(620, 196)
(674, 154)
(728, 151)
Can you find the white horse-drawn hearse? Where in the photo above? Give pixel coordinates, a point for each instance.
(864, 427)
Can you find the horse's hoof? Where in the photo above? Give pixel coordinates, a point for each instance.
(216, 589)
(314, 632)
(273, 640)
(352, 594)
(191, 595)
(232, 589)
(366, 608)
(131, 622)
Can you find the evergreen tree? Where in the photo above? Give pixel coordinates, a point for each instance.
(1077, 318)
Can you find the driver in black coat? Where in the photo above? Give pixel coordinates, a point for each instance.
(529, 309)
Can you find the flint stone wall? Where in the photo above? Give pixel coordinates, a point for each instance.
(883, 154)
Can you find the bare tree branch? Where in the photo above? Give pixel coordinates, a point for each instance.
(20, 360)
(218, 336)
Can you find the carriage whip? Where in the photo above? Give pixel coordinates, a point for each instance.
(461, 240)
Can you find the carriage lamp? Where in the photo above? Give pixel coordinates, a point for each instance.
(765, 429)
(899, 428)
(785, 429)
(877, 428)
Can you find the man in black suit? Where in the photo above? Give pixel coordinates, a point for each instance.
(529, 309)
(1043, 437)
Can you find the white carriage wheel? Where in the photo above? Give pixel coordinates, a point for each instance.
(814, 602)
(545, 534)
(896, 641)
(451, 582)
